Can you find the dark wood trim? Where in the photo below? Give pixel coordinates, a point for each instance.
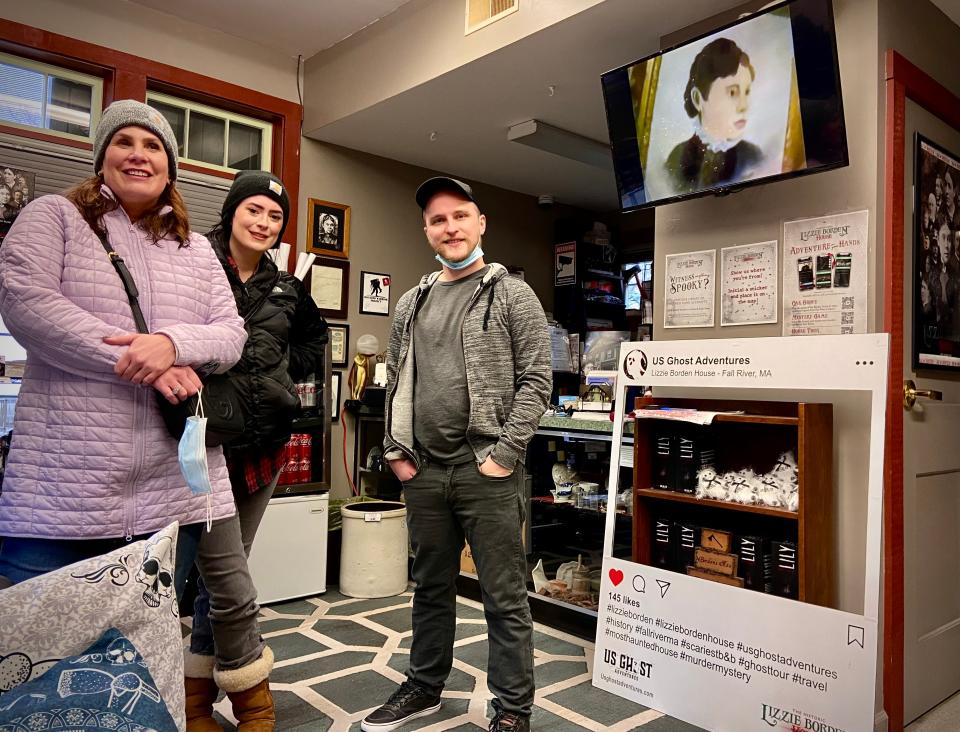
(206, 171)
(893, 631)
(37, 135)
(127, 77)
(903, 80)
(127, 85)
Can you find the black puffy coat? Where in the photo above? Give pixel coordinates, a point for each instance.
(286, 337)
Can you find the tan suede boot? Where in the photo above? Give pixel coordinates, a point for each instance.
(201, 692)
(249, 691)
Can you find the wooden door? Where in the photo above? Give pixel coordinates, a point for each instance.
(931, 482)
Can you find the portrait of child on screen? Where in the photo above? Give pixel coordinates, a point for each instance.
(717, 99)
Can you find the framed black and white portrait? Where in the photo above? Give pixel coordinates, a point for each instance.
(936, 257)
(17, 189)
(328, 228)
(374, 293)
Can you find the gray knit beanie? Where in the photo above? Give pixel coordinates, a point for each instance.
(127, 112)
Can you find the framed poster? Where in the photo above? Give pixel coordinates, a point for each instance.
(17, 189)
(339, 343)
(748, 285)
(329, 283)
(374, 293)
(825, 274)
(328, 228)
(936, 259)
(335, 378)
(689, 289)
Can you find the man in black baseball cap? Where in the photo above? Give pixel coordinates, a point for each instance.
(440, 183)
(469, 356)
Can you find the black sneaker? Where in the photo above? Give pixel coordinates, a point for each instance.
(406, 703)
(509, 722)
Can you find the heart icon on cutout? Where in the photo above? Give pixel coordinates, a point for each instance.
(616, 576)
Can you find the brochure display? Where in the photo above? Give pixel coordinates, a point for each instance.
(758, 661)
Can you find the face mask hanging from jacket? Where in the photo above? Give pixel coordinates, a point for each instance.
(192, 455)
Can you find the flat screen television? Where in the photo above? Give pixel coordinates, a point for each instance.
(755, 101)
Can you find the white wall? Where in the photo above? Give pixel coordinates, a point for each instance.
(418, 42)
(756, 214)
(134, 29)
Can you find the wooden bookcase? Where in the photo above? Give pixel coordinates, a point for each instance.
(753, 439)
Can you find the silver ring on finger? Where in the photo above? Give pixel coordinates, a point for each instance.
(175, 390)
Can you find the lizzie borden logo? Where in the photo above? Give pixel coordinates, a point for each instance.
(795, 721)
(635, 364)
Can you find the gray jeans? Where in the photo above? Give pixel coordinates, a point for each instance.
(225, 611)
(446, 503)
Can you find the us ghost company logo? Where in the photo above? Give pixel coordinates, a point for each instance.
(635, 364)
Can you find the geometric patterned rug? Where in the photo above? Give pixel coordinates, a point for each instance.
(338, 657)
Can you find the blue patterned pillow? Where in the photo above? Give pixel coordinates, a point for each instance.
(107, 687)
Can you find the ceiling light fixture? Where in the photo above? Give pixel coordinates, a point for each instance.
(561, 142)
(434, 135)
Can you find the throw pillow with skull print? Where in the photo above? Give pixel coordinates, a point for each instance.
(63, 613)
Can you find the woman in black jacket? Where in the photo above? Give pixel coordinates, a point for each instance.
(286, 336)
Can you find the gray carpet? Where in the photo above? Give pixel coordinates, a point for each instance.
(337, 658)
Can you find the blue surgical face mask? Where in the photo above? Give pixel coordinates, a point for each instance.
(474, 256)
(192, 455)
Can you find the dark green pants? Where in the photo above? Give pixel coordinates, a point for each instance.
(445, 504)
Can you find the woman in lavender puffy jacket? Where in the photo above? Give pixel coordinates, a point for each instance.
(91, 464)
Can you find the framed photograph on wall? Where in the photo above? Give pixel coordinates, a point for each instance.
(17, 189)
(329, 286)
(374, 293)
(936, 259)
(339, 343)
(328, 228)
(335, 378)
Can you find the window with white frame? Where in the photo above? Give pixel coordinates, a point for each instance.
(214, 137)
(43, 97)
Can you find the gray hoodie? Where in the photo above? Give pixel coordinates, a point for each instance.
(506, 349)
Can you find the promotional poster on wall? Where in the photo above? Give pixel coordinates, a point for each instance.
(936, 257)
(374, 293)
(748, 286)
(688, 298)
(825, 274)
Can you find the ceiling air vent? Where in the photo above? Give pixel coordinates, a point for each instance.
(482, 13)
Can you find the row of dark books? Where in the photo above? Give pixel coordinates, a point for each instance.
(679, 451)
(765, 564)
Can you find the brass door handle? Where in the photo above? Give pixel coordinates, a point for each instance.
(911, 392)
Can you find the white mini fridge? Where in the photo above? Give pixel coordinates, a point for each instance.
(289, 555)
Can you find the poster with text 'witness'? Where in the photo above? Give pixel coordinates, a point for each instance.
(825, 275)
(728, 632)
(688, 297)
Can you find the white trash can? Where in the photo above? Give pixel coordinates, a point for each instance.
(374, 549)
